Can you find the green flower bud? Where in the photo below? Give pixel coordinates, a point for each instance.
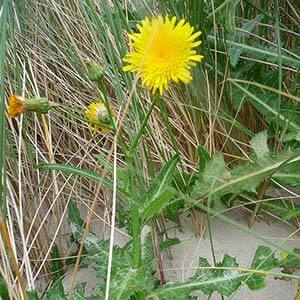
(38, 105)
(95, 72)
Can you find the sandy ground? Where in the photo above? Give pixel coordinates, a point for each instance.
(226, 239)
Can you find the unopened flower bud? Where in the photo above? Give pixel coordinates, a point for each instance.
(95, 72)
(18, 105)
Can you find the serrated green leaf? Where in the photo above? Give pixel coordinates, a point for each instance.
(265, 103)
(225, 278)
(126, 282)
(217, 181)
(259, 52)
(228, 279)
(264, 259)
(247, 27)
(156, 205)
(207, 279)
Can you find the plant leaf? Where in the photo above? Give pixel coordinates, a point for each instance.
(169, 243)
(3, 291)
(162, 180)
(74, 214)
(217, 181)
(282, 208)
(259, 143)
(74, 171)
(289, 175)
(227, 280)
(156, 205)
(290, 261)
(264, 259)
(204, 158)
(56, 292)
(247, 27)
(206, 279)
(33, 295)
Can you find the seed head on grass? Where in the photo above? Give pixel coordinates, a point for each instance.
(162, 51)
(97, 113)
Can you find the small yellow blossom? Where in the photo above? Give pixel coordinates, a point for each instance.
(16, 106)
(162, 51)
(97, 113)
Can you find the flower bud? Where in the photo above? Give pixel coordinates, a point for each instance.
(18, 105)
(95, 72)
(38, 105)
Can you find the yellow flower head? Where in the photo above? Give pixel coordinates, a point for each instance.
(16, 106)
(163, 51)
(97, 113)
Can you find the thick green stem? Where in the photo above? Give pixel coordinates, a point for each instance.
(136, 234)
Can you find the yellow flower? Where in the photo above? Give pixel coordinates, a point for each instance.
(16, 106)
(163, 51)
(99, 116)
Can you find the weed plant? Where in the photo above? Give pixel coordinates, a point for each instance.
(137, 153)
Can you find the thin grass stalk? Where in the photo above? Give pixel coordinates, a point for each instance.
(4, 18)
(112, 225)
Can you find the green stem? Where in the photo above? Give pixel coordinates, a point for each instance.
(106, 103)
(144, 124)
(134, 207)
(136, 234)
(164, 112)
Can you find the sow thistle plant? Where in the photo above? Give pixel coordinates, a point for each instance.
(162, 51)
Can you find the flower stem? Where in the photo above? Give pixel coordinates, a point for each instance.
(136, 234)
(134, 206)
(144, 124)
